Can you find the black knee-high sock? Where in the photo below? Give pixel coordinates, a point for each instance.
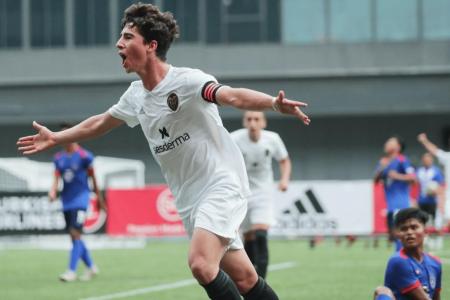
(261, 252)
(222, 288)
(261, 291)
(249, 246)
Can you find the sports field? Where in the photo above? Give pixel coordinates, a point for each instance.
(159, 271)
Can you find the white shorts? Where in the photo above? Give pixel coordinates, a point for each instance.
(219, 215)
(259, 211)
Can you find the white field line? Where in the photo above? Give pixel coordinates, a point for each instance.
(445, 261)
(173, 285)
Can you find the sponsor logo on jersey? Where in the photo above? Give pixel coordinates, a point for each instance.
(172, 101)
(172, 144)
(164, 132)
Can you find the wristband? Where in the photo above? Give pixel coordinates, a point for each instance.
(274, 104)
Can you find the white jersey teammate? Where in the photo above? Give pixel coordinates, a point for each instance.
(259, 147)
(444, 159)
(202, 165)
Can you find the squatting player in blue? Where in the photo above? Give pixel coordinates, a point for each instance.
(74, 166)
(411, 273)
(396, 173)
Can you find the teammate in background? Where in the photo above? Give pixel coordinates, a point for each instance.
(201, 164)
(73, 165)
(259, 147)
(431, 183)
(396, 173)
(444, 160)
(411, 273)
(383, 293)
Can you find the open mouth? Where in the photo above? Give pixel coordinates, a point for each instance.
(410, 239)
(124, 57)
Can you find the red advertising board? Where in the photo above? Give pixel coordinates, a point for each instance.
(379, 206)
(143, 212)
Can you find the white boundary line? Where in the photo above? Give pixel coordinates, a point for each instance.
(174, 285)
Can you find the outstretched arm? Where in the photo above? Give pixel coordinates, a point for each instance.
(44, 139)
(432, 148)
(247, 99)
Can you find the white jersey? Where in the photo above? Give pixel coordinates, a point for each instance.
(258, 156)
(186, 137)
(444, 159)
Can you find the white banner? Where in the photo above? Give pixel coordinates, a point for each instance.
(324, 208)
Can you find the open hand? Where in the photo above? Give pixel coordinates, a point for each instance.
(290, 107)
(36, 143)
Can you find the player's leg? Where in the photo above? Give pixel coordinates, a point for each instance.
(237, 264)
(205, 253)
(261, 255)
(391, 231)
(249, 245)
(260, 218)
(75, 252)
(77, 248)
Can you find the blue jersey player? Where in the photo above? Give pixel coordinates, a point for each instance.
(412, 273)
(74, 166)
(396, 173)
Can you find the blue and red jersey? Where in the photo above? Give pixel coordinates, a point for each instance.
(397, 191)
(404, 274)
(426, 177)
(74, 170)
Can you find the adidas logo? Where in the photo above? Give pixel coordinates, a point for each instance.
(307, 215)
(314, 204)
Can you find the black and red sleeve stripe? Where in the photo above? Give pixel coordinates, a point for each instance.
(209, 91)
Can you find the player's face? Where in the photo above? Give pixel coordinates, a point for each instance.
(391, 146)
(411, 234)
(254, 121)
(132, 49)
(427, 160)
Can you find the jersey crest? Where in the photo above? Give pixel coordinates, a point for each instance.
(172, 101)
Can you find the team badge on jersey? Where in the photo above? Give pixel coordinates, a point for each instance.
(172, 101)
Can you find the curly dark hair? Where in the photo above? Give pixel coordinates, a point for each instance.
(153, 25)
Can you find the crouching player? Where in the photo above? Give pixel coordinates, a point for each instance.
(411, 273)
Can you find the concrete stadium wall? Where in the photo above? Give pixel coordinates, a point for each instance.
(347, 79)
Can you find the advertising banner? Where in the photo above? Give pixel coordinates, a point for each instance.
(33, 213)
(143, 212)
(324, 208)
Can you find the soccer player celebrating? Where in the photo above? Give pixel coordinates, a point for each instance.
(396, 173)
(444, 159)
(431, 181)
(74, 166)
(411, 273)
(259, 147)
(201, 164)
